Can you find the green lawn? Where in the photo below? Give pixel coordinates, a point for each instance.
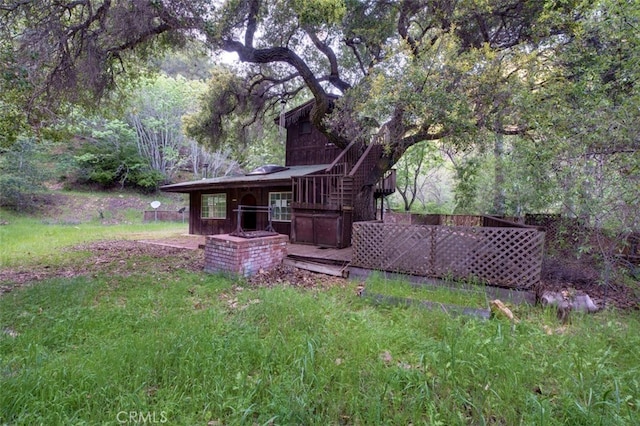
(455, 295)
(29, 240)
(196, 349)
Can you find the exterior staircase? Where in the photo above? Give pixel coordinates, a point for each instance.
(323, 203)
(335, 187)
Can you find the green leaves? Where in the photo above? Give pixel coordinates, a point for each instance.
(232, 118)
(20, 173)
(112, 158)
(319, 12)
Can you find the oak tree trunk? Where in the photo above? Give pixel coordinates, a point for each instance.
(364, 204)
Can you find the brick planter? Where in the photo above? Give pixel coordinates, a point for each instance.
(244, 256)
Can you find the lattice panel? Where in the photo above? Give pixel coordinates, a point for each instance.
(453, 248)
(410, 251)
(508, 257)
(561, 232)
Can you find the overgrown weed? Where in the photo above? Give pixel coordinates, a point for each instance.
(194, 348)
(200, 348)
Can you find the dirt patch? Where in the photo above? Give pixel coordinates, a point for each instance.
(191, 242)
(289, 275)
(583, 276)
(121, 258)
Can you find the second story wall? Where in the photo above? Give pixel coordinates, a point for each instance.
(307, 146)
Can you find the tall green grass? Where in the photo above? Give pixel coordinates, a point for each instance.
(460, 294)
(193, 348)
(197, 348)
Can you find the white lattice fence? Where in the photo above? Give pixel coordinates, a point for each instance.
(508, 257)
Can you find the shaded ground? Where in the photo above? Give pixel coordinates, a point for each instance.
(583, 276)
(181, 253)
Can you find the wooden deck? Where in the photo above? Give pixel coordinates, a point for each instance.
(320, 255)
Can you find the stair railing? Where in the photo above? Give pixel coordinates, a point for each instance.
(346, 159)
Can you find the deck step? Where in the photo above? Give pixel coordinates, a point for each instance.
(333, 270)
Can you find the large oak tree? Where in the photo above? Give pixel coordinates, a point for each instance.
(417, 70)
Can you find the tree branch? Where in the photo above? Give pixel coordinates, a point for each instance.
(352, 43)
(334, 75)
(254, 6)
(288, 56)
(407, 9)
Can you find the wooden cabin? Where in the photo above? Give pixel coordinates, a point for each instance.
(310, 198)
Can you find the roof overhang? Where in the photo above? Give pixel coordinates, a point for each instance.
(278, 178)
(301, 111)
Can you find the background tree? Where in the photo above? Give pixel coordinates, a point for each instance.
(191, 61)
(206, 163)
(20, 174)
(228, 120)
(13, 85)
(110, 157)
(413, 173)
(156, 112)
(590, 120)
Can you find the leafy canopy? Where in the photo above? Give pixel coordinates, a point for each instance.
(72, 49)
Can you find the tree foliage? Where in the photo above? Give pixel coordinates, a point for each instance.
(588, 118)
(413, 172)
(13, 85)
(20, 174)
(111, 157)
(229, 120)
(558, 78)
(156, 112)
(291, 45)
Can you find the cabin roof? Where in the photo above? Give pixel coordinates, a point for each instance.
(281, 177)
(295, 114)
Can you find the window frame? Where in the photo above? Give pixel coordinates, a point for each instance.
(278, 217)
(213, 208)
(305, 127)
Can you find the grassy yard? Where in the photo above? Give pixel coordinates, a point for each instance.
(191, 348)
(29, 240)
(463, 295)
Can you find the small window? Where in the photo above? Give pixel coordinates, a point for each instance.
(280, 203)
(214, 206)
(305, 127)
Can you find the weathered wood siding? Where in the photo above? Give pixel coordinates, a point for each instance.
(200, 226)
(321, 227)
(306, 146)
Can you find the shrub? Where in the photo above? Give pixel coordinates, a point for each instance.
(110, 157)
(21, 174)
